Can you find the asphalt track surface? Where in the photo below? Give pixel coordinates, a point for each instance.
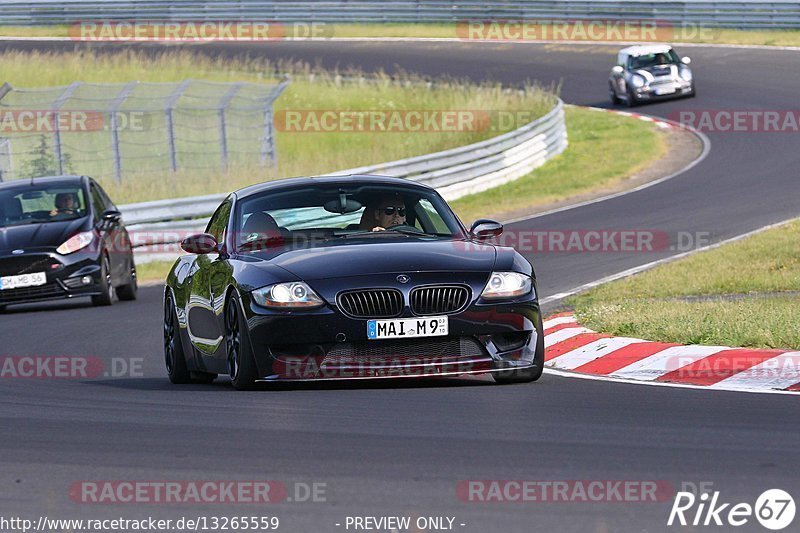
(401, 449)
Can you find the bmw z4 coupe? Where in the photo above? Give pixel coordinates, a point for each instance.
(354, 277)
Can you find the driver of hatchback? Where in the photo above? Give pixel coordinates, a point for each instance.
(389, 211)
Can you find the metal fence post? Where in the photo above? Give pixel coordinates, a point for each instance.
(223, 133)
(171, 101)
(115, 105)
(60, 101)
(4, 90)
(268, 150)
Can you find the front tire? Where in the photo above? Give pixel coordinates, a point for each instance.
(241, 362)
(128, 291)
(613, 95)
(526, 375)
(174, 357)
(107, 296)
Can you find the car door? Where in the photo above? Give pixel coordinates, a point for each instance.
(106, 230)
(206, 301)
(119, 241)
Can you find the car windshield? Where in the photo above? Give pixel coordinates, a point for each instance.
(650, 60)
(343, 211)
(36, 204)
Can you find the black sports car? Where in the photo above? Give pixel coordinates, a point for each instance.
(61, 237)
(351, 277)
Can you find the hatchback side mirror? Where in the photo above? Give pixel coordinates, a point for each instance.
(616, 69)
(201, 243)
(686, 60)
(111, 216)
(485, 229)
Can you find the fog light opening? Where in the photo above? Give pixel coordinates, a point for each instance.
(86, 280)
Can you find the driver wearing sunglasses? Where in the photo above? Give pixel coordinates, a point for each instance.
(390, 212)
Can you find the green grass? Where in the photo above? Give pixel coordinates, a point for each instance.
(600, 154)
(450, 30)
(750, 289)
(300, 153)
(155, 271)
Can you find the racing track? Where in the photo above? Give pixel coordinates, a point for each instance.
(389, 449)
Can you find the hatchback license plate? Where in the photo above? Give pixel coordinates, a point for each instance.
(24, 280)
(404, 328)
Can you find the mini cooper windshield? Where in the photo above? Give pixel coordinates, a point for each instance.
(324, 212)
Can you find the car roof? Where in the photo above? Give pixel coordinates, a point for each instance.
(350, 180)
(45, 180)
(645, 49)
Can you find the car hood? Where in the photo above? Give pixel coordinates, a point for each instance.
(46, 235)
(658, 71)
(343, 259)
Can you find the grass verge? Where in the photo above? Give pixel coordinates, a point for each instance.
(599, 155)
(745, 293)
(303, 151)
(453, 30)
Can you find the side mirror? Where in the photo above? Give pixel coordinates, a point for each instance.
(111, 216)
(485, 229)
(201, 243)
(686, 60)
(616, 69)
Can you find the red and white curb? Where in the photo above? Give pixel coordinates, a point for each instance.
(663, 124)
(571, 347)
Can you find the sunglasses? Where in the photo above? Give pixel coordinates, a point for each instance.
(401, 211)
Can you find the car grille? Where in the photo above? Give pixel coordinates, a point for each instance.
(51, 290)
(372, 303)
(389, 351)
(26, 264)
(440, 300)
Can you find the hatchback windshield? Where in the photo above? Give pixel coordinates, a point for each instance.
(650, 60)
(334, 211)
(32, 204)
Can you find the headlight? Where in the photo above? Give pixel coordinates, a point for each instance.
(685, 73)
(76, 242)
(295, 294)
(507, 285)
(637, 81)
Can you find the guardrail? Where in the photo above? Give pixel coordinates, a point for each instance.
(454, 173)
(741, 14)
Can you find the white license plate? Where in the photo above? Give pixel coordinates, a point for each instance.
(24, 280)
(665, 90)
(404, 328)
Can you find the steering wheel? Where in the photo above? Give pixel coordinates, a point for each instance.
(406, 227)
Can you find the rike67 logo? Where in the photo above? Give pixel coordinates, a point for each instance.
(774, 509)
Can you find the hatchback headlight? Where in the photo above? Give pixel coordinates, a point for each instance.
(507, 285)
(637, 81)
(685, 73)
(292, 295)
(76, 242)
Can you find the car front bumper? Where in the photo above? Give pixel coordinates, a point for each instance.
(664, 90)
(69, 276)
(326, 344)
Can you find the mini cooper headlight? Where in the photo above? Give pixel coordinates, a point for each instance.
(685, 73)
(637, 81)
(292, 295)
(76, 242)
(507, 285)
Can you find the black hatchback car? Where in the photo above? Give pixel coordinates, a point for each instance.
(355, 277)
(62, 237)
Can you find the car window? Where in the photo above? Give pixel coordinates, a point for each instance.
(650, 60)
(336, 210)
(98, 202)
(28, 204)
(218, 223)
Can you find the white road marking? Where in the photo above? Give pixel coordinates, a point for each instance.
(564, 334)
(779, 372)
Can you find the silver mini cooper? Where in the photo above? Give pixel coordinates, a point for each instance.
(649, 72)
